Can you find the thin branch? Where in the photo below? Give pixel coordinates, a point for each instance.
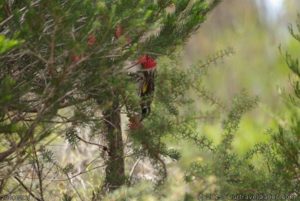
(51, 61)
(37, 56)
(133, 168)
(91, 143)
(75, 189)
(26, 189)
(39, 170)
(91, 169)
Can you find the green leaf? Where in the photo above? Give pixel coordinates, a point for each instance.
(7, 44)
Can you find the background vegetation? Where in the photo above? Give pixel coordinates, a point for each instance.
(224, 121)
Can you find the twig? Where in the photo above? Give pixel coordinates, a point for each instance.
(25, 187)
(91, 143)
(133, 168)
(87, 171)
(39, 171)
(36, 55)
(75, 189)
(51, 61)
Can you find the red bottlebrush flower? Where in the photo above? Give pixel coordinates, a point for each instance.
(119, 31)
(134, 123)
(91, 40)
(147, 62)
(76, 58)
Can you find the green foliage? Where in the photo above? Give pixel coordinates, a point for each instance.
(59, 79)
(268, 169)
(56, 82)
(173, 153)
(177, 26)
(71, 136)
(67, 197)
(6, 44)
(241, 104)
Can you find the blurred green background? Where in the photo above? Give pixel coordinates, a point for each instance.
(255, 29)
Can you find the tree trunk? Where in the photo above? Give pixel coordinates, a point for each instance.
(115, 167)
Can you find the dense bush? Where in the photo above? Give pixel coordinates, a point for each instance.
(62, 81)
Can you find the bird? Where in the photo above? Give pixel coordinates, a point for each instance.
(143, 72)
(147, 84)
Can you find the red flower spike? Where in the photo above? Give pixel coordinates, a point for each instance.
(119, 31)
(76, 58)
(134, 123)
(91, 40)
(147, 62)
